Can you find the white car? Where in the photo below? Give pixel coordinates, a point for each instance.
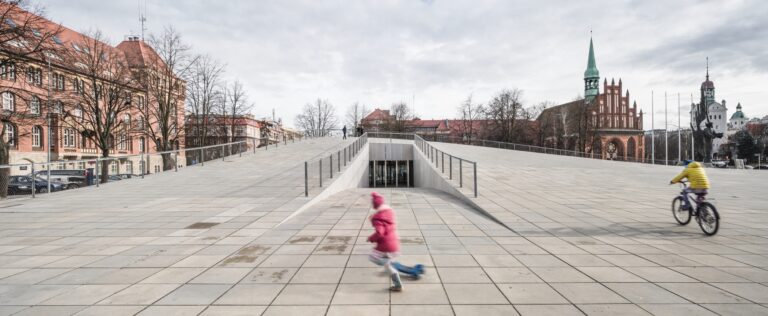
(720, 163)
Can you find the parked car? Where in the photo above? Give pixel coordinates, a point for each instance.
(720, 163)
(113, 178)
(69, 182)
(762, 167)
(24, 185)
(73, 178)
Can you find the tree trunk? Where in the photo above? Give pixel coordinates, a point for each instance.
(104, 166)
(4, 172)
(168, 161)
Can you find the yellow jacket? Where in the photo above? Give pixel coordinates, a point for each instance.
(696, 176)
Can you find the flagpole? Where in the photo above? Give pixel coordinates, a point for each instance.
(679, 144)
(653, 134)
(693, 140)
(666, 127)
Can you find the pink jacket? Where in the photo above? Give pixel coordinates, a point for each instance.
(385, 236)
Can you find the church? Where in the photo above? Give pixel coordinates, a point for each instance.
(604, 124)
(716, 117)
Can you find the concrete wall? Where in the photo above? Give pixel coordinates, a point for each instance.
(391, 151)
(426, 175)
(353, 176)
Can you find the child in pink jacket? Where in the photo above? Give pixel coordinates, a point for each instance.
(385, 238)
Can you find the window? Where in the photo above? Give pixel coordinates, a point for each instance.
(140, 123)
(10, 134)
(58, 82)
(34, 76)
(37, 136)
(9, 101)
(157, 169)
(140, 101)
(34, 105)
(78, 111)
(122, 142)
(141, 144)
(113, 167)
(78, 85)
(69, 137)
(8, 71)
(57, 40)
(127, 120)
(58, 107)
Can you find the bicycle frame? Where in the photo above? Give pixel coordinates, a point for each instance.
(685, 195)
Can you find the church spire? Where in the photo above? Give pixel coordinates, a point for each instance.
(591, 75)
(707, 68)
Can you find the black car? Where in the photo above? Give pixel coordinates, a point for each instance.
(73, 179)
(23, 185)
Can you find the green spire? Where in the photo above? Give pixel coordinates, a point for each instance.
(591, 76)
(591, 71)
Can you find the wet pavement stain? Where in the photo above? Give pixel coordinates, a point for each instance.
(335, 249)
(239, 259)
(201, 225)
(277, 276)
(248, 254)
(303, 239)
(338, 239)
(412, 240)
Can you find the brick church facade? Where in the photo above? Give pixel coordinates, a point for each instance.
(607, 125)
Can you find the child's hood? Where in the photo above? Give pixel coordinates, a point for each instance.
(384, 214)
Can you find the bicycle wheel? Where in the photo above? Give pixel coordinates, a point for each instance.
(682, 215)
(708, 218)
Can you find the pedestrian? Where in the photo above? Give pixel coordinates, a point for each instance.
(386, 239)
(344, 131)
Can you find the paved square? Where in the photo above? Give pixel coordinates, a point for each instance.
(581, 237)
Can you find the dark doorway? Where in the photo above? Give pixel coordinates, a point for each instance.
(390, 173)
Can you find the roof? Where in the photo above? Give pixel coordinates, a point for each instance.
(377, 114)
(591, 71)
(738, 114)
(139, 53)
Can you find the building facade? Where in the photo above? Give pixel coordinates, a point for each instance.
(607, 124)
(41, 100)
(716, 120)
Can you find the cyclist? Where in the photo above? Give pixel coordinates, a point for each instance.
(695, 174)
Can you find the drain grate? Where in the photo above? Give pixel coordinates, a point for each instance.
(201, 225)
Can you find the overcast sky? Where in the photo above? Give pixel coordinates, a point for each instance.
(437, 52)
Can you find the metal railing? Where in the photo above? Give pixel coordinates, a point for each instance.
(129, 166)
(438, 156)
(544, 150)
(331, 163)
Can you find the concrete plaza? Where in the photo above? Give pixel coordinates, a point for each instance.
(582, 237)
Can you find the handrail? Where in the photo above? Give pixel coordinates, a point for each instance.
(433, 153)
(350, 151)
(235, 148)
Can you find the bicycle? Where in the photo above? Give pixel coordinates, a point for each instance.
(705, 213)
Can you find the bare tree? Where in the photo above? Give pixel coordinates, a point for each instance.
(355, 114)
(399, 115)
(235, 105)
(203, 97)
(502, 112)
(25, 36)
(317, 118)
(163, 79)
(101, 98)
(471, 119)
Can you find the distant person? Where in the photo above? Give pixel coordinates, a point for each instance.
(697, 178)
(344, 131)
